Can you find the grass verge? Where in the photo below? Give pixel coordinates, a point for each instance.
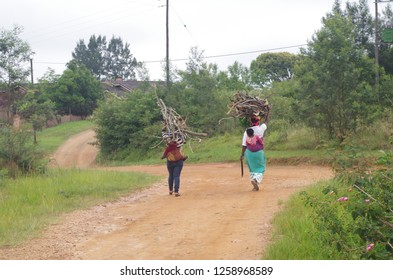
(28, 205)
(51, 138)
(294, 235)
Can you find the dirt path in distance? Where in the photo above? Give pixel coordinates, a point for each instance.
(217, 217)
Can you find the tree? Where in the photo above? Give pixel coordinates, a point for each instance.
(360, 16)
(336, 79)
(14, 53)
(119, 62)
(37, 113)
(386, 50)
(92, 55)
(196, 96)
(47, 84)
(237, 77)
(125, 124)
(142, 72)
(272, 67)
(77, 91)
(106, 60)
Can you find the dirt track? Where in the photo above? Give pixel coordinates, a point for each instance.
(217, 217)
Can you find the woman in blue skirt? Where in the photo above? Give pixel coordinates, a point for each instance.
(253, 151)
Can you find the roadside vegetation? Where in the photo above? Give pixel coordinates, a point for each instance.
(347, 218)
(29, 204)
(51, 138)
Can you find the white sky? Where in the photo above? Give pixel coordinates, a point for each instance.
(221, 28)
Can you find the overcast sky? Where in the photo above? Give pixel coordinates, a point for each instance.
(226, 30)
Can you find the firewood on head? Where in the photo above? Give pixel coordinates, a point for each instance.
(243, 105)
(175, 126)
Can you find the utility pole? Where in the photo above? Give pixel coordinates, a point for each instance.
(167, 44)
(31, 71)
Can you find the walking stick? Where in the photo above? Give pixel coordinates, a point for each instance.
(241, 166)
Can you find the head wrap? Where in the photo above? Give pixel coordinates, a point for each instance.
(255, 120)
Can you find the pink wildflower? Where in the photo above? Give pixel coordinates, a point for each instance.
(367, 200)
(344, 198)
(370, 247)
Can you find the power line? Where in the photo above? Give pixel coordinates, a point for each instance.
(76, 21)
(235, 54)
(207, 57)
(184, 25)
(90, 26)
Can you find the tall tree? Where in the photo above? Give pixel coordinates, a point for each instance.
(195, 96)
(237, 77)
(106, 60)
(14, 55)
(359, 14)
(386, 50)
(272, 67)
(336, 78)
(119, 62)
(92, 55)
(77, 91)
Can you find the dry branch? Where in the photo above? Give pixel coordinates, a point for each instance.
(176, 126)
(243, 105)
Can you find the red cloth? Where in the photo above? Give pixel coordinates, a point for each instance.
(173, 153)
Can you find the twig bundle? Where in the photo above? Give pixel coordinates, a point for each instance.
(176, 126)
(243, 105)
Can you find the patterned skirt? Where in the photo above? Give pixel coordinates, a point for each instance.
(256, 163)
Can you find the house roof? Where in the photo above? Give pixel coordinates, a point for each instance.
(121, 87)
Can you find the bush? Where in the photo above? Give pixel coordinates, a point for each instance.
(356, 219)
(284, 136)
(18, 154)
(374, 136)
(125, 123)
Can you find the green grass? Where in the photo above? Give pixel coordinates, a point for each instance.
(28, 205)
(294, 234)
(226, 148)
(51, 138)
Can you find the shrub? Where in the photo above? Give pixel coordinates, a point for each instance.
(356, 219)
(18, 154)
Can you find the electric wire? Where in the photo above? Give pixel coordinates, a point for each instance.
(88, 26)
(208, 57)
(89, 19)
(184, 25)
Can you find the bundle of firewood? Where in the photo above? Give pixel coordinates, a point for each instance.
(243, 105)
(175, 125)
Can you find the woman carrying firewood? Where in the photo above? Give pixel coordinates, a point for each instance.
(175, 157)
(256, 160)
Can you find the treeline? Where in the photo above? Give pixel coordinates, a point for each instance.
(328, 91)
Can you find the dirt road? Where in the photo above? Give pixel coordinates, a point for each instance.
(217, 217)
